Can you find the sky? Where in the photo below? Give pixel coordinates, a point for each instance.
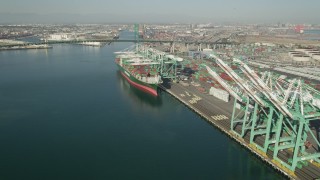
(160, 11)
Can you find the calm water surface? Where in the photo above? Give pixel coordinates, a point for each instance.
(66, 113)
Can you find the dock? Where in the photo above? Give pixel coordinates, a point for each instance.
(218, 113)
(22, 47)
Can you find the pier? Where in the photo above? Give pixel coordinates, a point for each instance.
(274, 118)
(23, 47)
(219, 114)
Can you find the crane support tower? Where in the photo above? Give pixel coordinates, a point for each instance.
(276, 114)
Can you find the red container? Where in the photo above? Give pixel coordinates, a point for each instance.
(234, 67)
(225, 76)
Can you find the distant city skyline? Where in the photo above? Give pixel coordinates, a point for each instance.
(164, 11)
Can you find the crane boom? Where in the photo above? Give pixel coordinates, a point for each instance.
(223, 84)
(240, 82)
(265, 89)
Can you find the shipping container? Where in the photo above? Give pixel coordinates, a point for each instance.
(220, 94)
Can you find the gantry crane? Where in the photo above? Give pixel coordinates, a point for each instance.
(164, 63)
(276, 113)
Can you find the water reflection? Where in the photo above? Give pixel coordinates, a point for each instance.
(139, 97)
(91, 49)
(247, 169)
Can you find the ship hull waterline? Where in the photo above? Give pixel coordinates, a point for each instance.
(148, 88)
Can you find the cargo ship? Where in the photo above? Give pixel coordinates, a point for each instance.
(139, 71)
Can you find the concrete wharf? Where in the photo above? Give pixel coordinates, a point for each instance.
(218, 113)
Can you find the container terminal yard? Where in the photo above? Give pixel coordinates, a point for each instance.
(264, 95)
(274, 116)
(219, 113)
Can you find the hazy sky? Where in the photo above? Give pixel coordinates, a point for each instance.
(297, 11)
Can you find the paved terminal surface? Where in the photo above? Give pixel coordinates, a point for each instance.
(218, 113)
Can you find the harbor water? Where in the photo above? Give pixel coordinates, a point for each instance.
(66, 113)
